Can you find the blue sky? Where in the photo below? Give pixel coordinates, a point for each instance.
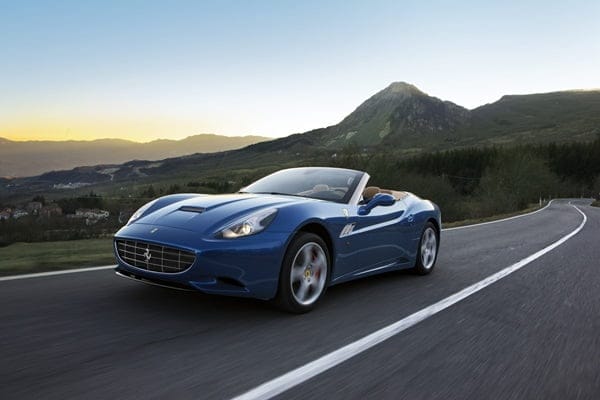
(144, 69)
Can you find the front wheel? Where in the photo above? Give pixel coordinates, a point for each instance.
(304, 274)
(428, 250)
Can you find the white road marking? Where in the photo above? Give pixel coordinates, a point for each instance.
(301, 374)
(52, 273)
(500, 220)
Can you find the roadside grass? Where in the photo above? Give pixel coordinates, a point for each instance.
(472, 221)
(596, 203)
(24, 258)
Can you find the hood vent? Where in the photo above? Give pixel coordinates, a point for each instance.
(192, 209)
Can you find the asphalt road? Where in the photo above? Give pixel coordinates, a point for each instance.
(533, 334)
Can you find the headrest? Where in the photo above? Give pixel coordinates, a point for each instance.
(370, 191)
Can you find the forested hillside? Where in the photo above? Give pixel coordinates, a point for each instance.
(479, 182)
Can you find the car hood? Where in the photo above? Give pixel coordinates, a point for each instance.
(207, 214)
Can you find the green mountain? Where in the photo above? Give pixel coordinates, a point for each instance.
(398, 113)
(546, 117)
(28, 158)
(403, 118)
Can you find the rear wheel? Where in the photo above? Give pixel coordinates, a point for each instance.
(428, 250)
(304, 274)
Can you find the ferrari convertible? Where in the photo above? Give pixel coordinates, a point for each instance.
(286, 237)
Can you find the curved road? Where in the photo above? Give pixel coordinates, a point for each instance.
(532, 334)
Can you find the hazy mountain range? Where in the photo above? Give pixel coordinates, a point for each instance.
(28, 158)
(400, 119)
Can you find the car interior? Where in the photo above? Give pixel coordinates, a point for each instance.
(370, 191)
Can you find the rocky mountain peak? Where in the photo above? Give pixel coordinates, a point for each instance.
(395, 114)
(402, 88)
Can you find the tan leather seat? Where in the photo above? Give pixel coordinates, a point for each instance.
(370, 192)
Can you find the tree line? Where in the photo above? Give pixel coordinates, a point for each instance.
(480, 182)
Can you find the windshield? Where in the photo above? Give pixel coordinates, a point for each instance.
(333, 184)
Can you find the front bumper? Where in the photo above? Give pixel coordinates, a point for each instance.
(247, 267)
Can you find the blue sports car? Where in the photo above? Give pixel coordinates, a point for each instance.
(287, 237)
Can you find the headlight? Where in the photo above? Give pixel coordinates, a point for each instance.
(248, 225)
(136, 215)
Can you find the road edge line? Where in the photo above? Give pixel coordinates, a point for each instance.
(309, 370)
(52, 273)
(71, 271)
(499, 220)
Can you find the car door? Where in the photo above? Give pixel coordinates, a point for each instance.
(372, 241)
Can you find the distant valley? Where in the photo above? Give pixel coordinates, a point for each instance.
(29, 158)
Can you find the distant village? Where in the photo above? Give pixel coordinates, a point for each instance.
(39, 219)
(35, 208)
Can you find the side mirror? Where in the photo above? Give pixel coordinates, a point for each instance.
(380, 199)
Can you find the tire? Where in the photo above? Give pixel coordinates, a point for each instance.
(304, 274)
(427, 251)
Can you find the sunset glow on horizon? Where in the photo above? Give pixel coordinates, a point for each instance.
(97, 128)
(142, 70)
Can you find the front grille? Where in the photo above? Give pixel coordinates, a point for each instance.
(154, 257)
